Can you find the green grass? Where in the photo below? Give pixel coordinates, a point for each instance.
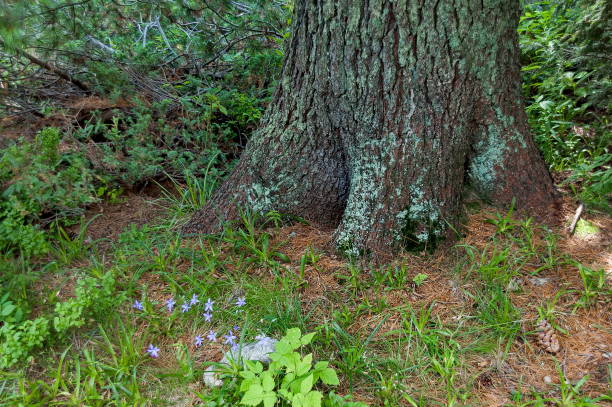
(95, 353)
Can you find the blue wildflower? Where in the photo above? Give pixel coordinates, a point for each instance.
(240, 302)
(207, 316)
(212, 336)
(185, 307)
(153, 351)
(137, 305)
(209, 305)
(194, 300)
(198, 341)
(230, 338)
(170, 304)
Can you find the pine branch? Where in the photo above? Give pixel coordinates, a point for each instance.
(51, 68)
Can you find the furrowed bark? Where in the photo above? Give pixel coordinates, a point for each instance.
(295, 163)
(384, 111)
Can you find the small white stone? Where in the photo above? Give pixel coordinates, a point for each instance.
(210, 378)
(547, 379)
(539, 281)
(259, 351)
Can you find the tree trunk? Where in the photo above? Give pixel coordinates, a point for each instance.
(384, 111)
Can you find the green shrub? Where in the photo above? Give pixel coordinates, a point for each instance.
(9, 312)
(39, 181)
(566, 79)
(290, 379)
(94, 298)
(595, 179)
(17, 340)
(16, 233)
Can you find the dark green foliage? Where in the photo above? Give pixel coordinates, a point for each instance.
(40, 184)
(189, 82)
(162, 50)
(566, 47)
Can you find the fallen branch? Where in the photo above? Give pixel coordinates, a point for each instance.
(577, 215)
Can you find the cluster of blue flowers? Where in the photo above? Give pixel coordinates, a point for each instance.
(229, 339)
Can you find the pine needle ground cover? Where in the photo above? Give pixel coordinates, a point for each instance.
(137, 314)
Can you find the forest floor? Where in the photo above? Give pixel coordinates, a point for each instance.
(455, 327)
(463, 333)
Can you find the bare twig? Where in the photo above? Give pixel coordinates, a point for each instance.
(577, 215)
(163, 34)
(100, 44)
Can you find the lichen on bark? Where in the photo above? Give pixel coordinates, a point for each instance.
(384, 111)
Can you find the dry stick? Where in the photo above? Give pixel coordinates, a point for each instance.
(576, 218)
(100, 44)
(64, 75)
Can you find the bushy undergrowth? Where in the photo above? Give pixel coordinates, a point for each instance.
(40, 184)
(93, 298)
(50, 180)
(187, 85)
(566, 46)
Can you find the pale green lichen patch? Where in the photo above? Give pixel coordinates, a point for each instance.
(367, 171)
(586, 229)
(490, 152)
(419, 225)
(261, 199)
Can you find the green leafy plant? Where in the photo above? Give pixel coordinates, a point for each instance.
(94, 297)
(570, 395)
(353, 280)
(496, 311)
(595, 180)
(40, 181)
(419, 279)
(67, 249)
(310, 257)
(334, 400)
(9, 312)
(565, 47)
(352, 349)
(504, 223)
(290, 376)
(594, 285)
(256, 245)
(18, 340)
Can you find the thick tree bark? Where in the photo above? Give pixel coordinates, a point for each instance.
(384, 111)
